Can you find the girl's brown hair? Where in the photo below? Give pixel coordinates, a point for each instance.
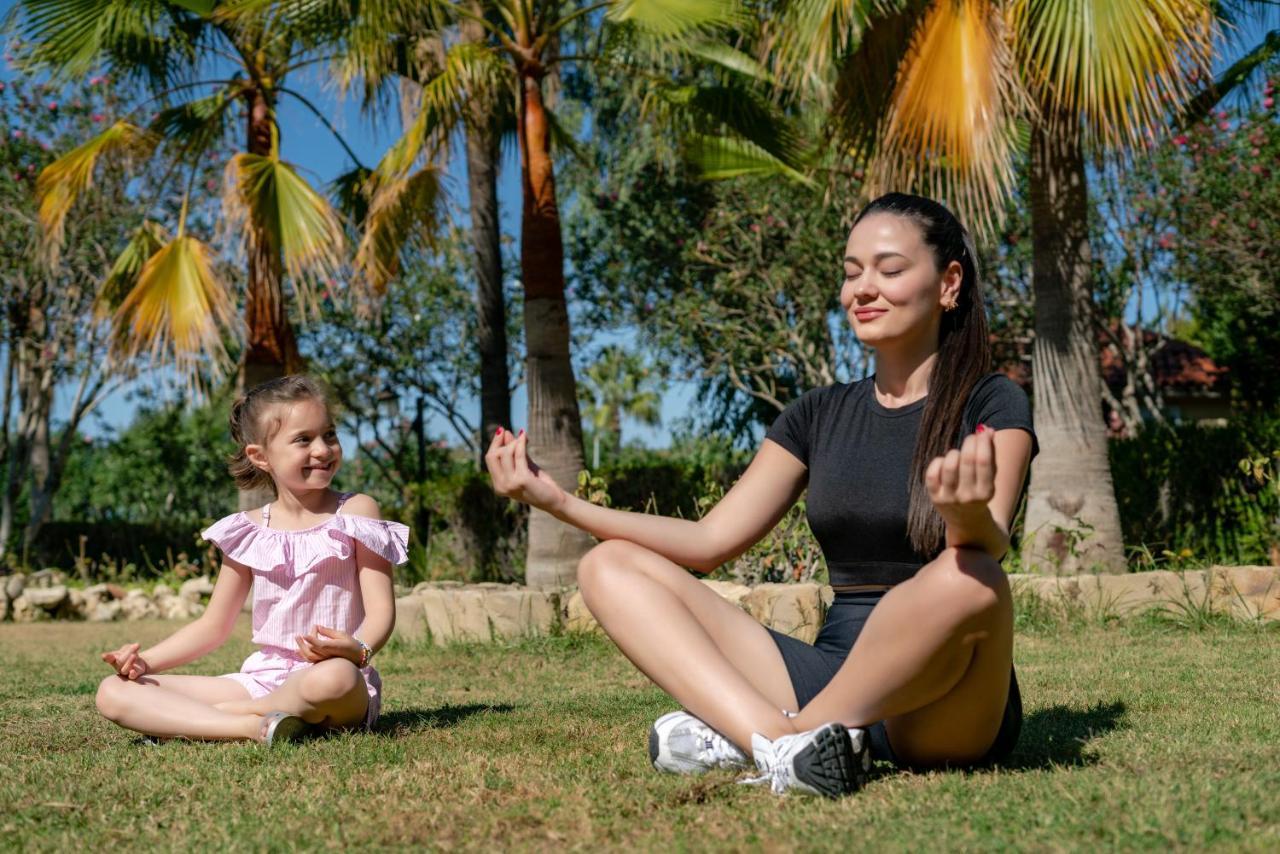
(249, 423)
(964, 355)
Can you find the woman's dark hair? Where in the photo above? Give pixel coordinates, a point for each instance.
(964, 354)
(249, 424)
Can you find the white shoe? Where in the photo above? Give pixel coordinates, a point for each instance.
(830, 760)
(682, 744)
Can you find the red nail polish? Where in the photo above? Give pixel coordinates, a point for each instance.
(521, 432)
(499, 433)
(982, 428)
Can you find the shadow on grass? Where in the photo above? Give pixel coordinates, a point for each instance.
(1058, 735)
(411, 720)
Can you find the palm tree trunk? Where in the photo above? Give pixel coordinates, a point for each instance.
(555, 425)
(491, 309)
(1072, 522)
(271, 349)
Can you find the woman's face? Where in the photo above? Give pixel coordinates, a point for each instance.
(893, 292)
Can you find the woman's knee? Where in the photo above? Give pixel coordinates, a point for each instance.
(329, 680)
(967, 578)
(606, 558)
(112, 699)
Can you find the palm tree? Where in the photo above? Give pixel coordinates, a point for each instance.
(166, 296)
(620, 384)
(514, 47)
(945, 96)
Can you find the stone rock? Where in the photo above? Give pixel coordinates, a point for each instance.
(105, 611)
(1247, 592)
(4, 606)
(196, 589)
(455, 615)
(411, 621)
(177, 608)
(48, 598)
(25, 612)
(793, 609)
(518, 612)
(137, 605)
(577, 617)
(47, 578)
(116, 591)
(76, 607)
(730, 590)
(162, 591)
(14, 585)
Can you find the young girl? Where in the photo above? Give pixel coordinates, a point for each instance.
(319, 565)
(913, 475)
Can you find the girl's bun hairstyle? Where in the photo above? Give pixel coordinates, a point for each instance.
(250, 426)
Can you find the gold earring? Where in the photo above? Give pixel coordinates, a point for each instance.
(952, 305)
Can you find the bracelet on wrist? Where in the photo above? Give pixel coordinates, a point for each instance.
(365, 653)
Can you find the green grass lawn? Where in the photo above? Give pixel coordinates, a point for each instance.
(1138, 735)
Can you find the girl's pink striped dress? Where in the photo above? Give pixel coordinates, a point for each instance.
(302, 579)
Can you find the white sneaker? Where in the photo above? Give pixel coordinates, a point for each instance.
(682, 744)
(830, 760)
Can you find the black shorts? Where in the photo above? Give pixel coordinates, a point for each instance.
(811, 667)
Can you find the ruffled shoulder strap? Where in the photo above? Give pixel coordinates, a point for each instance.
(246, 542)
(388, 539)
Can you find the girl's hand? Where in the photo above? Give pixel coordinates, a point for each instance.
(126, 662)
(324, 642)
(963, 482)
(516, 476)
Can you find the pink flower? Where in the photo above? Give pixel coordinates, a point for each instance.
(53, 106)
(1180, 139)
(1268, 103)
(1224, 125)
(17, 134)
(755, 227)
(1, 85)
(97, 118)
(1166, 241)
(94, 81)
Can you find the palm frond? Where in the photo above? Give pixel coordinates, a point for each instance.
(1236, 76)
(177, 310)
(719, 157)
(951, 127)
(197, 124)
(279, 213)
(810, 37)
(62, 181)
(152, 41)
(468, 70)
(403, 214)
(147, 240)
(1121, 66)
(677, 17)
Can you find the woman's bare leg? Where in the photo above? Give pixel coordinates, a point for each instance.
(711, 656)
(171, 706)
(331, 693)
(933, 662)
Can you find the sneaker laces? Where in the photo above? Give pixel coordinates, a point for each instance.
(771, 770)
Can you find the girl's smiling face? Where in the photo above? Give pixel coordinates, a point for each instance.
(893, 290)
(302, 452)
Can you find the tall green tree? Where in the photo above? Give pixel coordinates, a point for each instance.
(944, 97)
(525, 46)
(620, 383)
(203, 71)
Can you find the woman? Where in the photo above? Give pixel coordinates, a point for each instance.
(913, 475)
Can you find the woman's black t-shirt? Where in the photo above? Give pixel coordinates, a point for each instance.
(858, 453)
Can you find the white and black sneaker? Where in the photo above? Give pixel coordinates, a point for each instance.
(831, 760)
(682, 744)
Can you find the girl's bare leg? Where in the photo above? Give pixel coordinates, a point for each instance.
(330, 693)
(711, 656)
(933, 662)
(172, 706)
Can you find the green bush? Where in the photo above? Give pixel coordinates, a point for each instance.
(1185, 500)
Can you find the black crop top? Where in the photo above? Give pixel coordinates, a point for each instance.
(858, 453)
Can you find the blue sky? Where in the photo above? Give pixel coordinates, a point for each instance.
(307, 143)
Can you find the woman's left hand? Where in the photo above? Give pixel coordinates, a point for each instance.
(963, 482)
(324, 642)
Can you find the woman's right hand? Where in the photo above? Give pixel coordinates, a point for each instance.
(516, 476)
(126, 661)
